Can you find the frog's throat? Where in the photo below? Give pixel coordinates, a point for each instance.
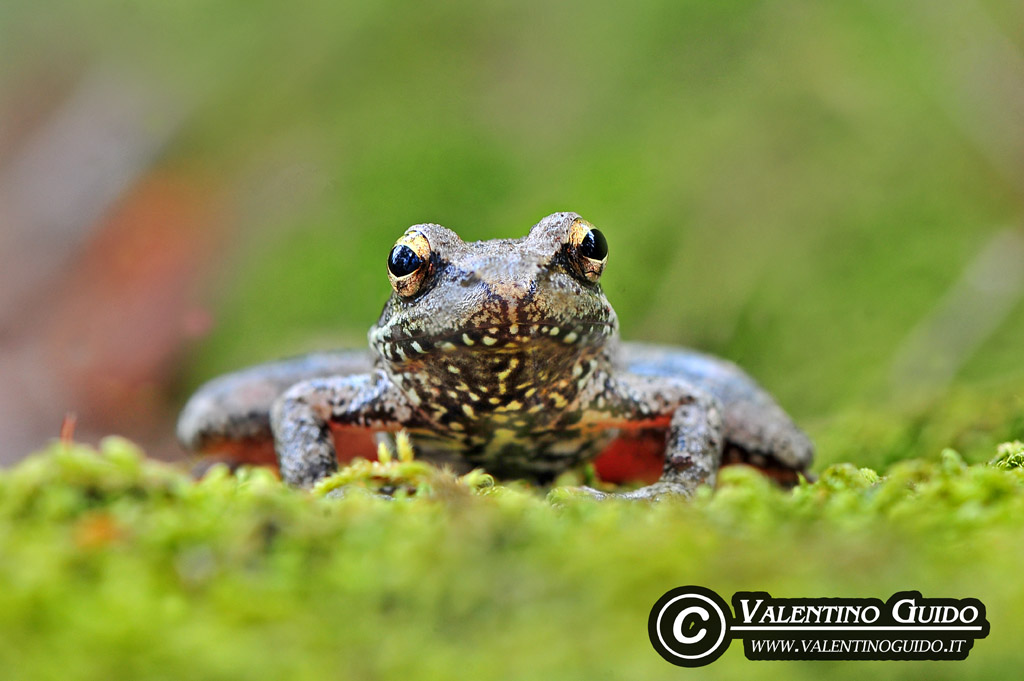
(526, 387)
(396, 347)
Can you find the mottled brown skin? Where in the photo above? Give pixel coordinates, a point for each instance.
(504, 355)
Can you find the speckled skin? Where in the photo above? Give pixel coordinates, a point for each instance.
(508, 358)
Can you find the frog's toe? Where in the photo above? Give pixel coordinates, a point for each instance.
(660, 490)
(592, 493)
(654, 492)
(559, 495)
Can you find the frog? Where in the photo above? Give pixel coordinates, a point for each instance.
(503, 355)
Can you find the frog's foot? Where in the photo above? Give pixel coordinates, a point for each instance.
(387, 492)
(694, 439)
(302, 419)
(586, 490)
(660, 490)
(653, 492)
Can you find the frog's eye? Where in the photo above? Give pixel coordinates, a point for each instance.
(589, 250)
(408, 263)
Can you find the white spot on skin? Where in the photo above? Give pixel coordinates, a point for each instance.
(512, 364)
(474, 397)
(468, 410)
(454, 369)
(452, 394)
(418, 348)
(554, 330)
(455, 425)
(514, 329)
(577, 370)
(570, 337)
(565, 447)
(494, 400)
(448, 346)
(493, 330)
(503, 436)
(559, 401)
(530, 392)
(401, 352)
(488, 340)
(466, 339)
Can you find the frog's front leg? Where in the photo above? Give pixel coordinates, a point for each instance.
(302, 417)
(693, 422)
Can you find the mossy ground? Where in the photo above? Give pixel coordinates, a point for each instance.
(114, 566)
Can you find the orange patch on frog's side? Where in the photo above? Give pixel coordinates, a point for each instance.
(349, 443)
(640, 457)
(636, 456)
(632, 457)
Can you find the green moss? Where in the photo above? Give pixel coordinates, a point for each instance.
(1010, 455)
(114, 566)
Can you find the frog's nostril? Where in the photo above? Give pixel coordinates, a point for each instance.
(469, 279)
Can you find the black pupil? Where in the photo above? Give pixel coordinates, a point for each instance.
(403, 261)
(594, 245)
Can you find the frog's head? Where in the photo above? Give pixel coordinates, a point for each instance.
(463, 312)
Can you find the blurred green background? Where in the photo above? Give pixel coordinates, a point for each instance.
(802, 187)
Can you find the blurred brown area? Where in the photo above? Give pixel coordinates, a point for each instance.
(101, 255)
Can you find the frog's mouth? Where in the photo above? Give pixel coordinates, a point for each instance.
(504, 337)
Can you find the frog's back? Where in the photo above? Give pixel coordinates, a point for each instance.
(757, 430)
